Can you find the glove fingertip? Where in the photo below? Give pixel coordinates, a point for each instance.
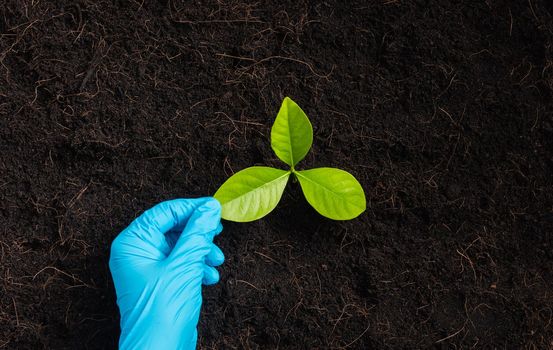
(211, 276)
(215, 257)
(216, 231)
(210, 204)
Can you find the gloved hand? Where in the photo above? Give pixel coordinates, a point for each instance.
(158, 265)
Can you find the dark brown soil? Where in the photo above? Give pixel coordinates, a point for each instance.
(442, 110)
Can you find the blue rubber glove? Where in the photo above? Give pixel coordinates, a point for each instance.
(158, 265)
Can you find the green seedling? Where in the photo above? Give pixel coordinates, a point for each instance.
(254, 192)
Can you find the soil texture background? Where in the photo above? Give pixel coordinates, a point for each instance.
(442, 109)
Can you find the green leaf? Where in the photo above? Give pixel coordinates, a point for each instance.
(334, 193)
(252, 193)
(291, 134)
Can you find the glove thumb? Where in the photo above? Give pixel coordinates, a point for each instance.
(196, 238)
